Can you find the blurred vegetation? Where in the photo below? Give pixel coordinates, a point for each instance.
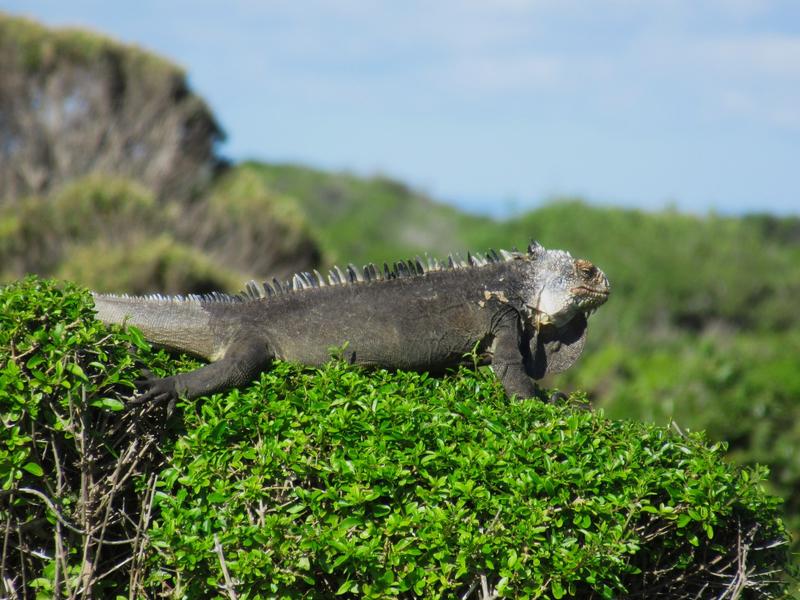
(154, 263)
(377, 219)
(112, 234)
(245, 225)
(39, 48)
(73, 102)
(105, 233)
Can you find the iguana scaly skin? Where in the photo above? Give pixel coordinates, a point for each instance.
(523, 313)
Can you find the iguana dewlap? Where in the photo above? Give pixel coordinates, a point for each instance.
(525, 314)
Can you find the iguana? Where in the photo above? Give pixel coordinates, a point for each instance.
(524, 313)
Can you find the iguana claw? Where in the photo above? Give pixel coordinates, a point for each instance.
(154, 390)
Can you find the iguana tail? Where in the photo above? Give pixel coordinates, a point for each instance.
(176, 323)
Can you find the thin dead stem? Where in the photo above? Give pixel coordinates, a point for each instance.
(93, 460)
(229, 587)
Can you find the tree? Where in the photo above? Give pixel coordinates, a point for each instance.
(74, 103)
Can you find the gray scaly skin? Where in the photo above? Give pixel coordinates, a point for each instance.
(525, 314)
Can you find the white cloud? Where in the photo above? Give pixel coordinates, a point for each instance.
(773, 55)
(505, 73)
(743, 9)
(747, 76)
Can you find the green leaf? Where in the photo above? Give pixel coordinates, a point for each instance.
(347, 586)
(34, 361)
(33, 469)
(217, 497)
(76, 370)
(512, 559)
(109, 403)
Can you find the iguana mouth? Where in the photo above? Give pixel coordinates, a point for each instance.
(593, 293)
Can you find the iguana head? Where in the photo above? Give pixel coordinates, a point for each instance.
(563, 287)
(560, 294)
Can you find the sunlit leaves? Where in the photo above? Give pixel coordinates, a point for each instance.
(379, 484)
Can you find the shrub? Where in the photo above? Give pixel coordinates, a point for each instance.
(243, 224)
(111, 234)
(37, 233)
(334, 481)
(401, 484)
(69, 513)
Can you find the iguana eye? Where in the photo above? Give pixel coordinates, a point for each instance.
(587, 269)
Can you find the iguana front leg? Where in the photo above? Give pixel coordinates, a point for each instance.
(243, 361)
(509, 357)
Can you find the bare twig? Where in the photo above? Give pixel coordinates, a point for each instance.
(471, 589)
(119, 565)
(484, 587)
(53, 508)
(229, 587)
(60, 553)
(6, 534)
(21, 559)
(141, 535)
(87, 483)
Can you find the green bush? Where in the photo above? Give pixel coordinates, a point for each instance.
(318, 482)
(110, 234)
(739, 387)
(37, 233)
(158, 263)
(400, 484)
(68, 456)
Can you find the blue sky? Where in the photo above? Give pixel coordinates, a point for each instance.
(496, 103)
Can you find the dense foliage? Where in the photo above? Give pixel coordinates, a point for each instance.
(68, 456)
(336, 481)
(399, 484)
